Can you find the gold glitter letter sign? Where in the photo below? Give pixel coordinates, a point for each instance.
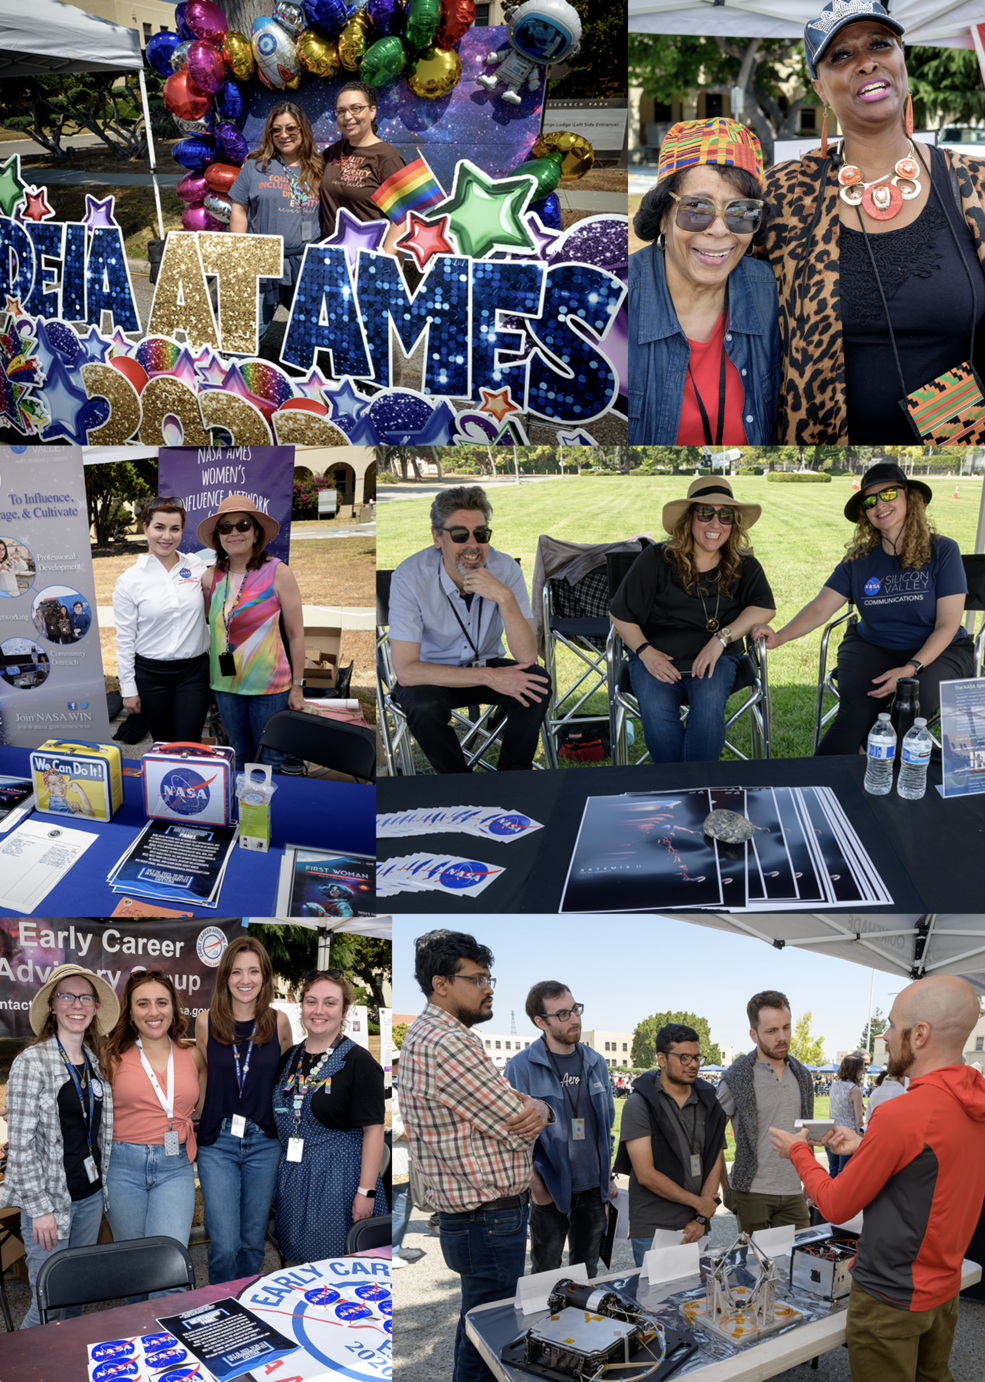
(166, 397)
(181, 300)
(244, 422)
(103, 381)
(297, 427)
(239, 261)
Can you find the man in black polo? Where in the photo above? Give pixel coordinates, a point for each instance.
(672, 1144)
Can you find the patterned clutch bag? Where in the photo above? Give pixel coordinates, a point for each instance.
(950, 409)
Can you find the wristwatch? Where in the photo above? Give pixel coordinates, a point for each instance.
(297, 682)
(370, 1194)
(701, 1219)
(642, 646)
(917, 666)
(724, 637)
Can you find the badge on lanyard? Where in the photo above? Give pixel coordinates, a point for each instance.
(85, 1086)
(172, 1142)
(238, 1128)
(577, 1129)
(695, 1166)
(172, 1146)
(91, 1171)
(295, 1148)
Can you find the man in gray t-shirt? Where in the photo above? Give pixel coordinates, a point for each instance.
(451, 605)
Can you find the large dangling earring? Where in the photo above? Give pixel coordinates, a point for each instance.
(908, 116)
(824, 132)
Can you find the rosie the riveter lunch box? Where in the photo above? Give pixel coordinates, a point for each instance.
(189, 782)
(78, 778)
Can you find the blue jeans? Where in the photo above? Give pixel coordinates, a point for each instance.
(401, 1214)
(840, 1162)
(238, 1176)
(699, 739)
(640, 1247)
(487, 1248)
(244, 718)
(150, 1194)
(86, 1216)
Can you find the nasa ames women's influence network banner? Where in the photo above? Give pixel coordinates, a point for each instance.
(51, 666)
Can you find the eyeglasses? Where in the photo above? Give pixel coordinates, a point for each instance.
(86, 999)
(461, 535)
(481, 981)
(564, 1013)
(886, 495)
(687, 1060)
(243, 526)
(334, 974)
(289, 130)
(349, 110)
(705, 513)
(742, 216)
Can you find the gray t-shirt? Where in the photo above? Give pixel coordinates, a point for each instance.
(278, 202)
(777, 1106)
(647, 1210)
(583, 1155)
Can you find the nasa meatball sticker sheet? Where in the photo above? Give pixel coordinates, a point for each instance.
(484, 822)
(146, 1358)
(176, 863)
(443, 873)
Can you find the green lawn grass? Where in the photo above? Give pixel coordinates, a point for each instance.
(799, 540)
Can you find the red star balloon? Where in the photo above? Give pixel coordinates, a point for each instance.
(498, 404)
(425, 239)
(37, 208)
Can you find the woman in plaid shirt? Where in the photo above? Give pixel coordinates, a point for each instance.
(60, 1121)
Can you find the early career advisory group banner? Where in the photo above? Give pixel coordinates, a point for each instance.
(30, 950)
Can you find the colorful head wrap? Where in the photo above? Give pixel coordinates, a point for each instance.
(720, 142)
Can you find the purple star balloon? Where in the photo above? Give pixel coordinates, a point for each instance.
(354, 235)
(99, 214)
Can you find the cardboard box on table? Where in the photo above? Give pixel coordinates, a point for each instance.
(321, 657)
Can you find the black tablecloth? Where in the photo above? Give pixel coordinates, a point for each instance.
(924, 850)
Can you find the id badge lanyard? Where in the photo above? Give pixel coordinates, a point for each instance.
(238, 1128)
(172, 1145)
(227, 662)
(477, 644)
(577, 1124)
(302, 1085)
(83, 1087)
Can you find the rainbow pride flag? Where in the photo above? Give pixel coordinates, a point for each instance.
(413, 188)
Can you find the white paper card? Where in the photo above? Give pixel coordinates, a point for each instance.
(621, 1203)
(36, 856)
(775, 1242)
(670, 1264)
(532, 1291)
(666, 1238)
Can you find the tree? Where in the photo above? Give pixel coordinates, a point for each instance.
(808, 1049)
(877, 1026)
(51, 109)
(645, 1037)
(109, 486)
(599, 70)
(399, 1032)
(366, 959)
(293, 950)
(947, 86)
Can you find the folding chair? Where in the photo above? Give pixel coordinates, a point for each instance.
(751, 677)
(370, 1233)
(344, 748)
(105, 1271)
(481, 726)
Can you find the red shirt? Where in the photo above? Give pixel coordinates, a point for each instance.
(705, 370)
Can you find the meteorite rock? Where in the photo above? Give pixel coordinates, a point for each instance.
(729, 826)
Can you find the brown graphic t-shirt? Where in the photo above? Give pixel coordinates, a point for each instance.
(352, 176)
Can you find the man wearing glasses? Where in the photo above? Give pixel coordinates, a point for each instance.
(470, 1133)
(762, 1089)
(450, 607)
(672, 1139)
(571, 1182)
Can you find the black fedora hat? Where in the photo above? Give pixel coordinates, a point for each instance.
(884, 473)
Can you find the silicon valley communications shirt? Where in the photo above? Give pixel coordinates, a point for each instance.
(159, 614)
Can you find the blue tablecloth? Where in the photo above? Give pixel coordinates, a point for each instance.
(327, 815)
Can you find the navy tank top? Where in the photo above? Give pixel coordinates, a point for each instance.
(222, 1098)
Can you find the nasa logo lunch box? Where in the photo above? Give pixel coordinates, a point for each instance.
(189, 782)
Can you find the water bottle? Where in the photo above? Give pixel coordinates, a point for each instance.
(906, 706)
(914, 758)
(880, 752)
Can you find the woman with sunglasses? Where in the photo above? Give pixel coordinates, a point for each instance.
(249, 595)
(276, 193)
(60, 1122)
(329, 1109)
(162, 639)
(705, 370)
(682, 612)
(878, 244)
(908, 585)
(358, 164)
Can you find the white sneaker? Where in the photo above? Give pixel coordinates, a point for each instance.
(396, 1262)
(410, 1254)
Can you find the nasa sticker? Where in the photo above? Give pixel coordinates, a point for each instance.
(167, 1357)
(872, 585)
(185, 791)
(113, 1348)
(463, 875)
(116, 1367)
(515, 824)
(210, 945)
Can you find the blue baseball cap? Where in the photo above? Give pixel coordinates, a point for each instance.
(837, 15)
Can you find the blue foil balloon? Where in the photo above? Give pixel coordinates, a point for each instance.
(387, 16)
(328, 15)
(549, 211)
(197, 151)
(159, 50)
(232, 147)
(230, 101)
(179, 19)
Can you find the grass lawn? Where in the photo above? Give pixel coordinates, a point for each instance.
(799, 540)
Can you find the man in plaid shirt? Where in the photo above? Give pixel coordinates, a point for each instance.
(471, 1134)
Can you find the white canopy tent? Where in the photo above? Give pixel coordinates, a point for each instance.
(937, 23)
(44, 38)
(909, 946)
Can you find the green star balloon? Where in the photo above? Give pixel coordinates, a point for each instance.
(11, 187)
(484, 213)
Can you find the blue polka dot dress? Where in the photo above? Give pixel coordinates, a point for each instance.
(313, 1210)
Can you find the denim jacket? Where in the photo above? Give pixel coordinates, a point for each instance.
(659, 351)
(531, 1072)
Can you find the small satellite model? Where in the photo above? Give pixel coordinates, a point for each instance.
(740, 1312)
(593, 1332)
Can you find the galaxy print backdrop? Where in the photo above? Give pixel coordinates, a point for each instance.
(51, 667)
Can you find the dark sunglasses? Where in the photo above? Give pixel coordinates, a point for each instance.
(334, 974)
(243, 526)
(886, 495)
(697, 213)
(167, 499)
(705, 513)
(461, 535)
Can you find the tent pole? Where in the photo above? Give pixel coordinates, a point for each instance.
(868, 1025)
(150, 151)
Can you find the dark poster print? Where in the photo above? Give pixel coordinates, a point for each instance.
(774, 871)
